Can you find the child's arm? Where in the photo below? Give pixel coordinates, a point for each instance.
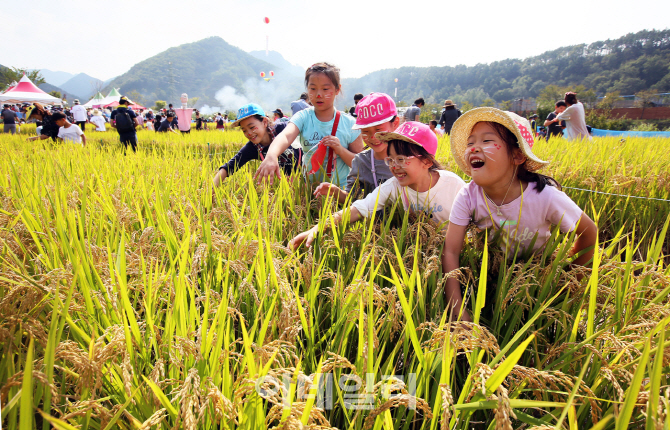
(269, 168)
(83, 139)
(586, 233)
(308, 236)
(453, 244)
(326, 188)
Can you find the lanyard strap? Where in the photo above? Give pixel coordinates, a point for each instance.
(372, 166)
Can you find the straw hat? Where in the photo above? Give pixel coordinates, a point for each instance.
(513, 122)
(448, 103)
(96, 111)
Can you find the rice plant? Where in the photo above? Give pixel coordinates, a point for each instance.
(132, 297)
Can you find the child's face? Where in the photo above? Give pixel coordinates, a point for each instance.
(488, 157)
(560, 109)
(253, 129)
(368, 135)
(61, 122)
(321, 91)
(408, 171)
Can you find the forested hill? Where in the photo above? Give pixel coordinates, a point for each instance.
(199, 69)
(635, 62)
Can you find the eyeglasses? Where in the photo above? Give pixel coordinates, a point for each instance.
(398, 161)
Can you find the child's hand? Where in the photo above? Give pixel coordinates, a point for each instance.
(269, 168)
(326, 188)
(333, 143)
(305, 236)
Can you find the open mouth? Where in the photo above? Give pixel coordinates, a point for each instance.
(476, 163)
(400, 175)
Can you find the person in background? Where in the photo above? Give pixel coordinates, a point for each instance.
(279, 116)
(168, 124)
(554, 125)
(198, 121)
(98, 120)
(157, 122)
(449, 116)
(49, 128)
(413, 113)
(124, 120)
(533, 123)
(9, 118)
(38, 128)
(68, 132)
(79, 115)
(357, 98)
(219, 121)
(433, 127)
(299, 104)
(575, 118)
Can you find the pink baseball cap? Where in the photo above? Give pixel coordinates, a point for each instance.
(374, 109)
(412, 132)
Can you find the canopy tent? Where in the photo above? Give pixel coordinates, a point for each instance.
(112, 97)
(27, 92)
(115, 104)
(96, 101)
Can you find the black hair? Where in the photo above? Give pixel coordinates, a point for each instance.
(331, 71)
(432, 121)
(408, 149)
(57, 116)
(561, 103)
(419, 101)
(38, 123)
(571, 98)
(304, 96)
(170, 114)
(358, 97)
(522, 173)
(279, 112)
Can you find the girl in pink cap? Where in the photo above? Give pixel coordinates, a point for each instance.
(418, 180)
(506, 197)
(375, 113)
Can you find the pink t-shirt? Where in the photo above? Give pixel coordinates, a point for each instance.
(539, 213)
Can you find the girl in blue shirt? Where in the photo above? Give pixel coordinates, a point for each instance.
(315, 126)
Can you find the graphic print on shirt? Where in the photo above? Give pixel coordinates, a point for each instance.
(315, 139)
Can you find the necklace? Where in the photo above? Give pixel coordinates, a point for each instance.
(503, 200)
(502, 222)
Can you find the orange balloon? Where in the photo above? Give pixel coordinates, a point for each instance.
(262, 74)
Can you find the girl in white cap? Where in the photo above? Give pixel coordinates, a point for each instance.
(418, 181)
(375, 113)
(506, 197)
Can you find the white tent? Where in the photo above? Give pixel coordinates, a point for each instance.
(27, 92)
(112, 97)
(96, 101)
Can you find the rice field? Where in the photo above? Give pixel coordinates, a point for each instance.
(132, 297)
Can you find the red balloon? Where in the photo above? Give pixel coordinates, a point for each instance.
(267, 20)
(272, 73)
(262, 74)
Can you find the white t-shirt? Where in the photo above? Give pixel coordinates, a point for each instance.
(79, 113)
(99, 122)
(71, 134)
(575, 122)
(437, 201)
(539, 212)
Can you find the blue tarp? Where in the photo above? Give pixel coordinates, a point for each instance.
(614, 133)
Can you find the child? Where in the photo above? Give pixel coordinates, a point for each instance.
(323, 131)
(98, 120)
(433, 127)
(417, 180)
(67, 131)
(494, 148)
(374, 113)
(260, 132)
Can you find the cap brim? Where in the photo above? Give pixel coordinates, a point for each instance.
(362, 126)
(385, 136)
(460, 132)
(239, 120)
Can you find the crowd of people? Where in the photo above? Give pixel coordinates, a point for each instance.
(506, 195)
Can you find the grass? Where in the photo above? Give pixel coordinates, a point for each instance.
(130, 298)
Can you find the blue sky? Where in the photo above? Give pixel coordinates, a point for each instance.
(359, 36)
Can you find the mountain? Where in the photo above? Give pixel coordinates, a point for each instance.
(634, 62)
(276, 59)
(200, 69)
(56, 78)
(47, 87)
(82, 84)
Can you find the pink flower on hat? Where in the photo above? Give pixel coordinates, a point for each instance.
(525, 133)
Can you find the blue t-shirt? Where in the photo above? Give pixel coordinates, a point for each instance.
(312, 131)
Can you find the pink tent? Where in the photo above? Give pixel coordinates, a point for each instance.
(27, 92)
(135, 106)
